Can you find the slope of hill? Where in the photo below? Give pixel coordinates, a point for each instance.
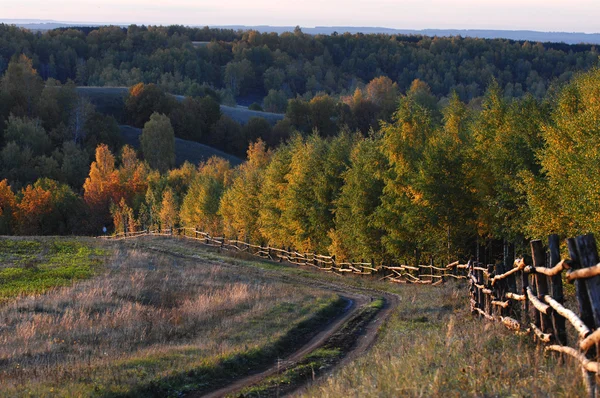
(110, 100)
(190, 151)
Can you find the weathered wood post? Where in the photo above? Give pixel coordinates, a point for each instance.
(538, 254)
(480, 294)
(560, 331)
(513, 309)
(500, 286)
(588, 257)
(578, 259)
(524, 286)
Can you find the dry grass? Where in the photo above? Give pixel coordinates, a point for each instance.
(433, 346)
(148, 317)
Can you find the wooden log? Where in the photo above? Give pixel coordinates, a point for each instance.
(514, 296)
(558, 322)
(554, 270)
(537, 303)
(502, 304)
(590, 366)
(485, 314)
(569, 315)
(590, 341)
(524, 286)
(519, 267)
(452, 265)
(543, 337)
(588, 257)
(584, 273)
(510, 323)
(539, 260)
(500, 290)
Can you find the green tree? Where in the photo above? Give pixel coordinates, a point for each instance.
(256, 128)
(145, 99)
(403, 143)
(240, 204)
(564, 197)
(200, 208)
(355, 235)
(158, 142)
(28, 133)
(22, 86)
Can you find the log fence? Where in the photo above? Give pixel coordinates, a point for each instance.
(526, 298)
(426, 274)
(529, 299)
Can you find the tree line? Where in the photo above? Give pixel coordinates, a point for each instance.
(251, 64)
(436, 178)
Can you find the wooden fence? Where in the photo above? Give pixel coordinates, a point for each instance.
(526, 298)
(426, 274)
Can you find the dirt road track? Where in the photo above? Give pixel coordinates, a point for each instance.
(357, 298)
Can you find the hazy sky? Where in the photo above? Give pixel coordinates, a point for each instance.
(544, 15)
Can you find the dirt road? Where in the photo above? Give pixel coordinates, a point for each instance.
(358, 299)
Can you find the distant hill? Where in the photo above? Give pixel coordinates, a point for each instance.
(520, 35)
(110, 100)
(190, 151)
(523, 35)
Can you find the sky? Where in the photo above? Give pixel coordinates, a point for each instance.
(541, 15)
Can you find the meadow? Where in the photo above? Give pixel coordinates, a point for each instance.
(143, 323)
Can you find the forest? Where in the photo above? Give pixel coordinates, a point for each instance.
(253, 65)
(423, 144)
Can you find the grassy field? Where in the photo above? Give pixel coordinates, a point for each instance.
(138, 322)
(30, 266)
(158, 316)
(432, 346)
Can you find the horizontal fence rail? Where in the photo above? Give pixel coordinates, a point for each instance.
(529, 299)
(401, 273)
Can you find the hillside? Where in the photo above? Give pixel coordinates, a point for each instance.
(110, 100)
(189, 151)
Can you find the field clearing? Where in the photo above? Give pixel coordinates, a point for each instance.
(158, 321)
(148, 323)
(433, 346)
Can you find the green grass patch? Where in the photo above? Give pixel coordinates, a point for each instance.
(35, 266)
(155, 373)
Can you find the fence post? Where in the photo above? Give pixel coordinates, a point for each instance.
(511, 285)
(538, 254)
(524, 286)
(588, 257)
(558, 321)
(585, 307)
(500, 286)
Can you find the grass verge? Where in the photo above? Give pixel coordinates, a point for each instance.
(146, 323)
(33, 266)
(432, 346)
(319, 361)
